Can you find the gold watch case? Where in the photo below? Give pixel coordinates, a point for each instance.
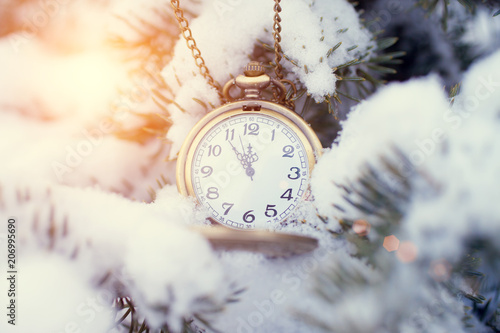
(255, 107)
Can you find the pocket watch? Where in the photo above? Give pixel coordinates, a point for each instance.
(249, 161)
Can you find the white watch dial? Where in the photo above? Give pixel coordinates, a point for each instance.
(250, 170)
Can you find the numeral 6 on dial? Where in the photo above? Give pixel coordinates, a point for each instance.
(248, 217)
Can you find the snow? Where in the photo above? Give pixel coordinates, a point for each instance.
(147, 247)
(272, 289)
(303, 25)
(483, 33)
(356, 297)
(58, 96)
(456, 148)
(430, 47)
(50, 285)
(162, 279)
(372, 129)
(454, 160)
(64, 137)
(60, 88)
(471, 156)
(303, 42)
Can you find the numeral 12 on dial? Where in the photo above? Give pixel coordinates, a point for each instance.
(250, 170)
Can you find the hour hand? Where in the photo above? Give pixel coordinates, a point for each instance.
(249, 158)
(252, 156)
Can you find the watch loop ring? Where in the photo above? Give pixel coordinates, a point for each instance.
(253, 92)
(227, 87)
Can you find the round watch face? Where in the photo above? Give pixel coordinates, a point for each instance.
(250, 170)
(249, 163)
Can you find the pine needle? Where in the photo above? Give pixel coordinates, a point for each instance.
(386, 58)
(330, 51)
(382, 69)
(352, 48)
(351, 78)
(347, 64)
(385, 43)
(200, 102)
(352, 98)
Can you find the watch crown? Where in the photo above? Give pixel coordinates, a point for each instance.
(254, 68)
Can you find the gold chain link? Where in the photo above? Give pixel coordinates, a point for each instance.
(277, 39)
(200, 62)
(191, 43)
(278, 69)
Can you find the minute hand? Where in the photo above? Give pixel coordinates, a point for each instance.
(238, 154)
(244, 160)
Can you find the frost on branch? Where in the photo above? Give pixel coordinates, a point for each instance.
(329, 35)
(118, 248)
(427, 178)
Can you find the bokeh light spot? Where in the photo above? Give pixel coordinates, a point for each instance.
(440, 270)
(407, 252)
(361, 227)
(391, 243)
(283, 185)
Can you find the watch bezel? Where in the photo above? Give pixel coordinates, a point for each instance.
(305, 133)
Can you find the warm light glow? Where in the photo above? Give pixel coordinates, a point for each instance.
(283, 185)
(71, 68)
(90, 79)
(407, 252)
(361, 227)
(440, 270)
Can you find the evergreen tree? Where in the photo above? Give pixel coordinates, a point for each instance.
(97, 98)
